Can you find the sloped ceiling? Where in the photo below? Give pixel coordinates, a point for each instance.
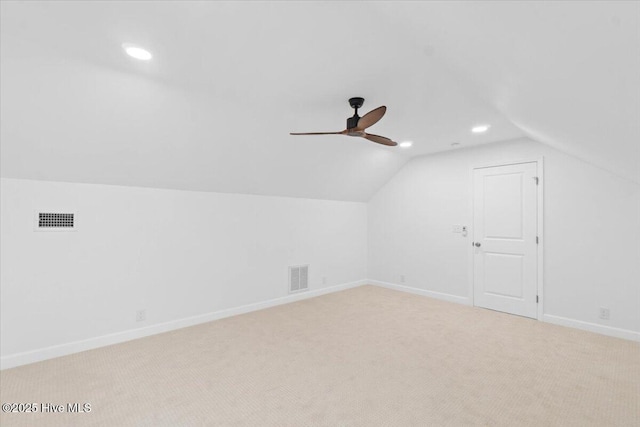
(229, 81)
(566, 73)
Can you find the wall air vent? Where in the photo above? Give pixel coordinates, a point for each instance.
(298, 278)
(55, 221)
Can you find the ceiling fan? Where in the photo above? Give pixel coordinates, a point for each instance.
(356, 124)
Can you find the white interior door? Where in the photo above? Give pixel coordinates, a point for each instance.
(505, 227)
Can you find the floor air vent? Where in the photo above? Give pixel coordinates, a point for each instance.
(55, 221)
(298, 278)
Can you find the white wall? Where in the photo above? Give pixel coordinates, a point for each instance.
(175, 254)
(591, 234)
(182, 254)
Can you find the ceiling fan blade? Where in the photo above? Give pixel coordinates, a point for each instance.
(371, 118)
(317, 133)
(380, 140)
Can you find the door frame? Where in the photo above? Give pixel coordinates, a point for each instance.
(540, 225)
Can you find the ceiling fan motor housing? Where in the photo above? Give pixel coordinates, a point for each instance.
(355, 103)
(353, 121)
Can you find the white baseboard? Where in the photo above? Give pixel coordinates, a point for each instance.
(46, 353)
(438, 295)
(549, 318)
(592, 327)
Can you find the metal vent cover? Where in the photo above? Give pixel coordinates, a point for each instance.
(298, 278)
(55, 221)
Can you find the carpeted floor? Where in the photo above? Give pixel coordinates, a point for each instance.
(363, 357)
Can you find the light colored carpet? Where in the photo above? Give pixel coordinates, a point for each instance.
(363, 357)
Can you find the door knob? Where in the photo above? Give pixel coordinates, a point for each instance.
(477, 244)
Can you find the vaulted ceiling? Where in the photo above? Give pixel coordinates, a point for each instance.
(213, 109)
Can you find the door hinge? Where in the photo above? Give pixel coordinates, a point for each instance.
(537, 180)
(537, 299)
(537, 240)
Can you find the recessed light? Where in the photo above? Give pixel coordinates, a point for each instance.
(406, 144)
(137, 52)
(455, 144)
(480, 128)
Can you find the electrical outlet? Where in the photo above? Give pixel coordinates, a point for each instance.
(141, 315)
(402, 278)
(604, 313)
